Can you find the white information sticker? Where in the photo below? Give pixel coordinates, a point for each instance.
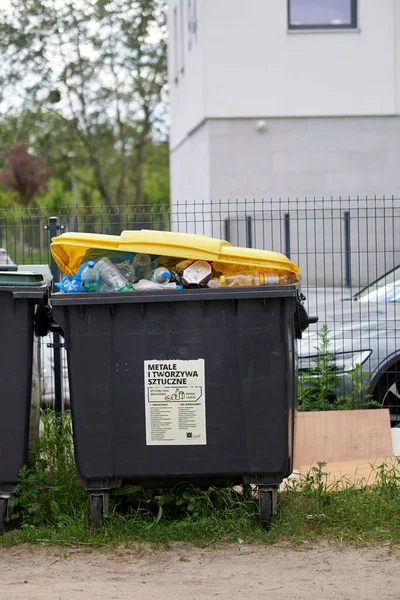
(175, 402)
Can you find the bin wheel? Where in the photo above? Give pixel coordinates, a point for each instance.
(3, 514)
(96, 510)
(265, 501)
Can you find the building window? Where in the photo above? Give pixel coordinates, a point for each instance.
(322, 14)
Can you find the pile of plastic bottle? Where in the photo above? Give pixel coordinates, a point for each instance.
(116, 271)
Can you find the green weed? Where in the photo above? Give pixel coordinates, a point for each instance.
(341, 510)
(51, 507)
(317, 389)
(317, 386)
(49, 491)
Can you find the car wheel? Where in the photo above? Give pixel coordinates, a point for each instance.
(387, 393)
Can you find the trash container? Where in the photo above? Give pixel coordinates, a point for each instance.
(20, 293)
(192, 385)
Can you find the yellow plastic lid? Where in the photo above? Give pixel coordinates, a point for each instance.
(69, 249)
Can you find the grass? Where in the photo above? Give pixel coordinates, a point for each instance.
(50, 507)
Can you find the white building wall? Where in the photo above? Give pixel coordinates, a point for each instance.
(255, 67)
(190, 180)
(243, 62)
(323, 157)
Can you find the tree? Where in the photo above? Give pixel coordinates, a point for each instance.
(99, 67)
(23, 174)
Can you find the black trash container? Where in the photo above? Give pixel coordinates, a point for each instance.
(18, 303)
(192, 386)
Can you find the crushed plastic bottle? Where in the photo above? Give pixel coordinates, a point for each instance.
(250, 280)
(161, 275)
(70, 285)
(142, 266)
(144, 285)
(127, 270)
(111, 276)
(90, 277)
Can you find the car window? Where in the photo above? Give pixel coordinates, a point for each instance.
(384, 289)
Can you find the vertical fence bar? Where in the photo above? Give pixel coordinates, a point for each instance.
(227, 233)
(54, 227)
(287, 234)
(249, 232)
(347, 250)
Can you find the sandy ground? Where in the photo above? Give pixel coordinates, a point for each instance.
(183, 573)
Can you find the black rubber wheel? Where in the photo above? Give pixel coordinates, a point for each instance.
(265, 501)
(387, 393)
(3, 514)
(96, 510)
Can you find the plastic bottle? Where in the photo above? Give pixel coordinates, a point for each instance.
(127, 270)
(111, 276)
(228, 269)
(90, 277)
(144, 285)
(142, 266)
(161, 275)
(247, 280)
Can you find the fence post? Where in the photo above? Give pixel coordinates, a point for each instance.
(249, 233)
(54, 228)
(347, 250)
(287, 234)
(227, 233)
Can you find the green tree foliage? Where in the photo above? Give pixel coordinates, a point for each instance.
(90, 77)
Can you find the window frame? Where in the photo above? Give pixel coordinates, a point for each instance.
(182, 36)
(353, 25)
(176, 43)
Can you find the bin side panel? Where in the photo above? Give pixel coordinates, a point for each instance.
(265, 347)
(16, 325)
(247, 346)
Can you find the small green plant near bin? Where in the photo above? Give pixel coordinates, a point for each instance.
(318, 386)
(49, 491)
(311, 509)
(357, 398)
(51, 507)
(340, 510)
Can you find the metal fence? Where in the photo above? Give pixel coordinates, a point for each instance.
(341, 246)
(336, 242)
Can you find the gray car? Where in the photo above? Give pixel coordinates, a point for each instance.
(362, 331)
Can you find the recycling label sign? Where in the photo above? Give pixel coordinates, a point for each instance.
(175, 402)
